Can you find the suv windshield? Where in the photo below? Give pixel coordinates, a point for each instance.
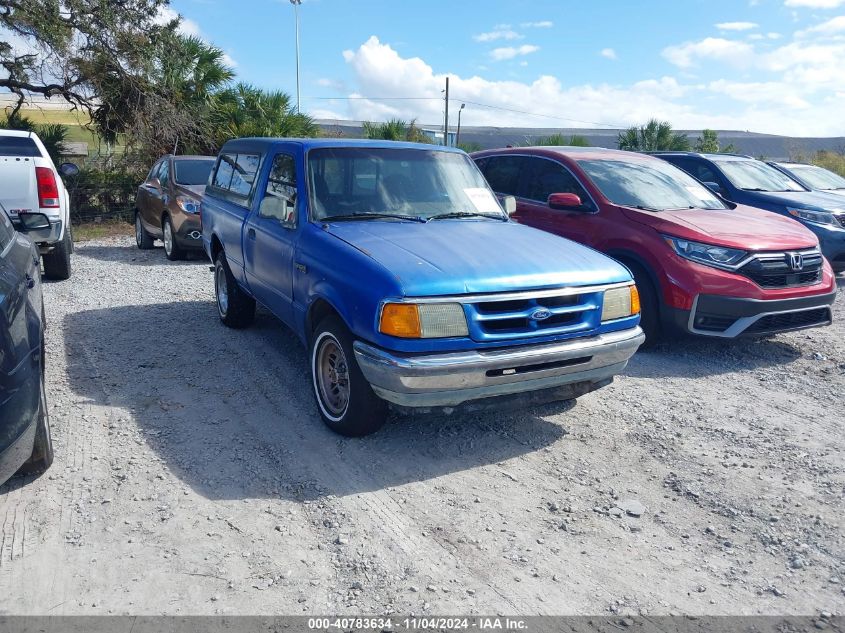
(361, 182)
(654, 185)
(755, 175)
(817, 177)
(193, 172)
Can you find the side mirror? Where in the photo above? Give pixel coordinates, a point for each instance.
(715, 187)
(565, 201)
(29, 222)
(508, 204)
(155, 183)
(68, 169)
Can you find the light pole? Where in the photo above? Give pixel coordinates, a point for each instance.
(458, 134)
(296, 4)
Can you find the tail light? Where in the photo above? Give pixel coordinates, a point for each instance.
(48, 189)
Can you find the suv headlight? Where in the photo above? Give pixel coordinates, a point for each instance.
(620, 303)
(188, 204)
(423, 320)
(817, 217)
(707, 254)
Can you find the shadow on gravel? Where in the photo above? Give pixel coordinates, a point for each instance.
(133, 255)
(231, 413)
(691, 357)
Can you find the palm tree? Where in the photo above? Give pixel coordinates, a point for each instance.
(653, 136)
(193, 70)
(395, 130)
(245, 110)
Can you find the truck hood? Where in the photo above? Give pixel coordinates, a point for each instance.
(813, 200)
(447, 257)
(745, 227)
(18, 190)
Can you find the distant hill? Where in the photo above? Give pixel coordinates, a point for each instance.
(771, 146)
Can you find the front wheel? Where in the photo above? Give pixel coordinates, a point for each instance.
(42, 449)
(649, 307)
(235, 307)
(345, 399)
(171, 246)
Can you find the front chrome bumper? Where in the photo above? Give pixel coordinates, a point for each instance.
(452, 378)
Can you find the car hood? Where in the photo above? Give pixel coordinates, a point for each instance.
(446, 257)
(745, 227)
(813, 200)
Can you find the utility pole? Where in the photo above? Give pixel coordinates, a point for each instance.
(446, 119)
(458, 135)
(296, 4)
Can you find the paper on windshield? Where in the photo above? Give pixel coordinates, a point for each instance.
(482, 200)
(700, 192)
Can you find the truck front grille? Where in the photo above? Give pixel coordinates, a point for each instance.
(775, 270)
(498, 318)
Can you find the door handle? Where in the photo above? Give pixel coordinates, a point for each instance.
(251, 234)
(30, 282)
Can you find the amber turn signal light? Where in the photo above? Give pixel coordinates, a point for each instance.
(400, 319)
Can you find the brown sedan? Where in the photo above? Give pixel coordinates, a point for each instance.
(168, 202)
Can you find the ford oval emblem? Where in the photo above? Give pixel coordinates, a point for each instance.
(541, 314)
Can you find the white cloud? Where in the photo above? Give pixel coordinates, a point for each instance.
(491, 36)
(509, 52)
(186, 26)
(687, 54)
(815, 4)
(802, 100)
(736, 26)
(831, 27)
(543, 24)
(609, 53)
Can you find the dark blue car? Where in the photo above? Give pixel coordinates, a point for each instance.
(25, 443)
(745, 180)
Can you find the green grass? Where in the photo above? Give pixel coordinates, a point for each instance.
(99, 230)
(75, 122)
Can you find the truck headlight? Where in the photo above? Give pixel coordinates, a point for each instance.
(424, 320)
(620, 303)
(708, 254)
(817, 217)
(188, 204)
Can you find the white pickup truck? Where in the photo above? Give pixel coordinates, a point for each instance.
(30, 183)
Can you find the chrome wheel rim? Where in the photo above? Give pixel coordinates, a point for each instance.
(138, 229)
(220, 288)
(332, 373)
(168, 237)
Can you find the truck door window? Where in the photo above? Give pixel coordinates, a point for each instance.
(279, 201)
(546, 177)
(235, 173)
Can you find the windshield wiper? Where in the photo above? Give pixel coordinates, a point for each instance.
(755, 189)
(465, 214)
(642, 207)
(373, 216)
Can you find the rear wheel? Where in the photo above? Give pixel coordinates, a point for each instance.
(171, 246)
(143, 240)
(345, 399)
(649, 306)
(235, 307)
(57, 261)
(42, 449)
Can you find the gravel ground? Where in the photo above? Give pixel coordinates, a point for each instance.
(193, 476)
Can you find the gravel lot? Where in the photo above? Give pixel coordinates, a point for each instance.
(193, 476)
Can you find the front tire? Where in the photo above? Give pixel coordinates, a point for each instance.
(345, 399)
(57, 261)
(42, 449)
(649, 306)
(143, 240)
(235, 307)
(172, 249)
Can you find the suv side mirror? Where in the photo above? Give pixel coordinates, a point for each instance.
(715, 187)
(68, 169)
(508, 204)
(155, 183)
(29, 222)
(566, 202)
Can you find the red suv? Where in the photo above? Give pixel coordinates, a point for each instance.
(702, 264)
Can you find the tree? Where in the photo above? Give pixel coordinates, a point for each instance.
(245, 110)
(653, 136)
(708, 143)
(395, 130)
(62, 48)
(561, 140)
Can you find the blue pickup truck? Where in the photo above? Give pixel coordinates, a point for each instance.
(406, 279)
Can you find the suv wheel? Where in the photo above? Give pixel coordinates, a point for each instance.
(345, 399)
(649, 306)
(171, 246)
(235, 307)
(143, 240)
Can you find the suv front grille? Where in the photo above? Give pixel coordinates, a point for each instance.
(500, 318)
(774, 270)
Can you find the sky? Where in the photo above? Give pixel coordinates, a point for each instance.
(772, 66)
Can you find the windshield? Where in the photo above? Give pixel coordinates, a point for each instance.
(193, 172)
(654, 185)
(405, 183)
(818, 177)
(755, 175)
